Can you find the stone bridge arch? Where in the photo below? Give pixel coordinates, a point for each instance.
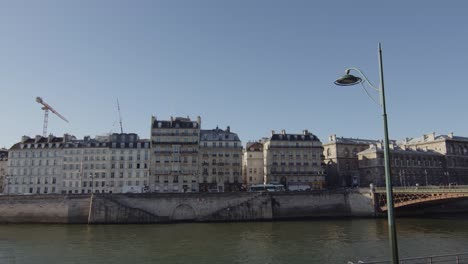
(183, 212)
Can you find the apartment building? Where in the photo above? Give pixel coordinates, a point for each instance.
(35, 165)
(174, 154)
(253, 164)
(118, 163)
(3, 167)
(294, 160)
(220, 158)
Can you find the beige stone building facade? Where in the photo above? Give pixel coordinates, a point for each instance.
(174, 155)
(3, 167)
(409, 167)
(253, 164)
(221, 161)
(294, 160)
(454, 148)
(430, 159)
(341, 160)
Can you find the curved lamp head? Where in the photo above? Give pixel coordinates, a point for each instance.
(348, 79)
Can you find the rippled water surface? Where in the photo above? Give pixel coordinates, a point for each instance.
(317, 241)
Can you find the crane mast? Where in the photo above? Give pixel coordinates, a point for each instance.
(120, 116)
(46, 107)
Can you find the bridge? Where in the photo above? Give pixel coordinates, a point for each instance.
(405, 196)
(448, 258)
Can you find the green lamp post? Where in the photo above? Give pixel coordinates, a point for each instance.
(348, 80)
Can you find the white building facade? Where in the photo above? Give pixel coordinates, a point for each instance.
(35, 165)
(118, 163)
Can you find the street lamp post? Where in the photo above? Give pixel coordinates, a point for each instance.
(425, 173)
(7, 185)
(92, 182)
(347, 80)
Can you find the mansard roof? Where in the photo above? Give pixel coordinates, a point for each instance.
(3, 154)
(38, 140)
(426, 139)
(178, 122)
(294, 137)
(87, 142)
(254, 146)
(218, 134)
(355, 141)
(374, 148)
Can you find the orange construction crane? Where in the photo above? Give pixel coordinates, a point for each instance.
(46, 109)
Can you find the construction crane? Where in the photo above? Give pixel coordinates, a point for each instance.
(120, 116)
(46, 109)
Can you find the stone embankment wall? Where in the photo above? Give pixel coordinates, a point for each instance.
(198, 207)
(44, 208)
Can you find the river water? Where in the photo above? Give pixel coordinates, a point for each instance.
(315, 241)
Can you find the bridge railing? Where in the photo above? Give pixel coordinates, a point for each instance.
(449, 258)
(427, 189)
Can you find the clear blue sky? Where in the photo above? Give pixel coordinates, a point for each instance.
(254, 65)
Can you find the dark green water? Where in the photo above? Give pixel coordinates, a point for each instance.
(317, 241)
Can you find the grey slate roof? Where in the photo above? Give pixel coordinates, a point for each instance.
(294, 137)
(422, 139)
(218, 134)
(373, 149)
(3, 154)
(357, 141)
(178, 122)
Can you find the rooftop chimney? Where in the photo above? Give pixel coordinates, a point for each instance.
(24, 139)
(305, 132)
(450, 135)
(228, 129)
(283, 132)
(272, 132)
(332, 138)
